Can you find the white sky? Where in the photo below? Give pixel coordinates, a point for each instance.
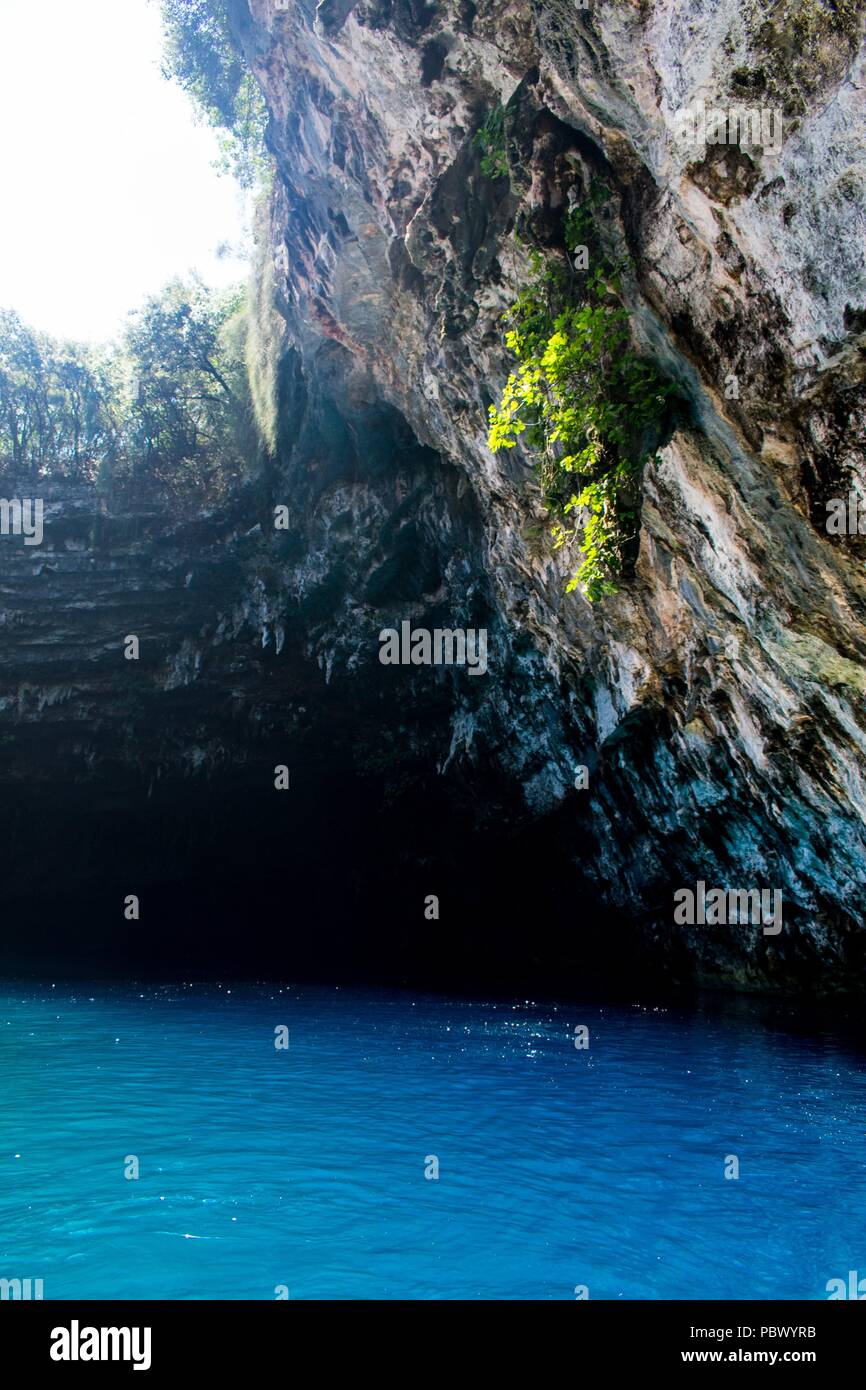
(107, 188)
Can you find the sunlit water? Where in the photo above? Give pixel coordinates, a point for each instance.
(305, 1167)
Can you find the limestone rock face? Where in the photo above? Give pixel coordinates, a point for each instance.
(718, 699)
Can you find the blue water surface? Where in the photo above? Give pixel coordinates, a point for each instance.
(305, 1168)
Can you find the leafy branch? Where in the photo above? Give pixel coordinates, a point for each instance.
(490, 138)
(585, 404)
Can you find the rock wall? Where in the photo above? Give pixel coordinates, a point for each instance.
(717, 700)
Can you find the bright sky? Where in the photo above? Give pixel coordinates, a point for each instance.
(108, 188)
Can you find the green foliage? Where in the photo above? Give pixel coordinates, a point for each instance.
(201, 57)
(490, 138)
(188, 421)
(264, 335)
(55, 403)
(580, 221)
(583, 402)
(187, 398)
(167, 408)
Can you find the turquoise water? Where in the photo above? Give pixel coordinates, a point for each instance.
(304, 1167)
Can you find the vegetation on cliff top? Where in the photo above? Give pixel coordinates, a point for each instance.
(201, 57)
(187, 398)
(168, 406)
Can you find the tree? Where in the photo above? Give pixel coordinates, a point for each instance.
(21, 392)
(169, 408)
(189, 415)
(201, 57)
(55, 403)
